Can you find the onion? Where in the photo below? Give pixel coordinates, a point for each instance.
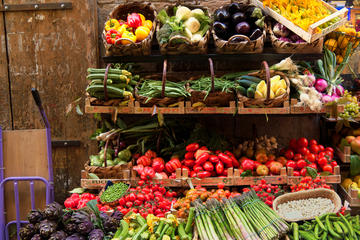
(300, 41)
(339, 90)
(280, 30)
(321, 85)
(326, 98)
(312, 79)
(284, 39)
(294, 38)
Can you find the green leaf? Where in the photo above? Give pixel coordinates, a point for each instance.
(246, 173)
(121, 124)
(93, 176)
(77, 190)
(312, 172)
(354, 165)
(325, 173)
(93, 207)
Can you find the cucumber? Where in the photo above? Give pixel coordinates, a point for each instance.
(251, 78)
(241, 90)
(111, 71)
(245, 83)
(254, 85)
(114, 77)
(250, 93)
(112, 91)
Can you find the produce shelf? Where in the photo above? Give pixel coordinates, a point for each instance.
(335, 178)
(351, 196)
(344, 155)
(306, 110)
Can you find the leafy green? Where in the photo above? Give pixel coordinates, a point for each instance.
(312, 172)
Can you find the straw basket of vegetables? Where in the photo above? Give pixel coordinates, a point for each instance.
(239, 28)
(161, 93)
(265, 88)
(186, 32)
(211, 91)
(130, 29)
(112, 192)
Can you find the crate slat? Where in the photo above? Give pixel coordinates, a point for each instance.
(285, 109)
(344, 155)
(351, 196)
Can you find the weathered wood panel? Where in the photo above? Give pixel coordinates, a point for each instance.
(51, 50)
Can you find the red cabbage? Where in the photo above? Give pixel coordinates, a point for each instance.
(280, 30)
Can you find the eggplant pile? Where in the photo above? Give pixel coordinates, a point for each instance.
(239, 19)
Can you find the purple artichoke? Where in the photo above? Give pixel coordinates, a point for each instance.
(75, 236)
(47, 228)
(36, 237)
(53, 211)
(117, 215)
(27, 232)
(96, 234)
(59, 235)
(35, 216)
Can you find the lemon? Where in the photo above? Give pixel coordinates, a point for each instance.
(346, 183)
(261, 86)
(282, 84)
(272, 95)
(258, 95)
(354, 185)
(280, 92)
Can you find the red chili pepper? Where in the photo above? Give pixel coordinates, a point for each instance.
(208, 166)
(144, 160)
(197, 168)
(189, 163)
(219, 168)
(134, 20)
(202, 158)
(184, 167)
(214, 159)
(158, 164)
(192, 147)
(189, 155)
(203, 174)
(71, 203)
(225, 159)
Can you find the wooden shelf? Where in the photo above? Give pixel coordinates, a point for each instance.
(306, 110)
(335, 178)
(351, 196)
(344, 156)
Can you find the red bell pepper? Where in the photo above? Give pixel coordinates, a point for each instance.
(189, 163)
(213, 174)
(202, 158)
(235, 162)
(112, 36)
(158, 164)
(184, 167)
(203, 174)
(172, 176)
(148, 173)
(144, 160)
(203, 148)
(139, 169)
(208, 166)
(197, 168)
(219, 168)
(192, 174)
(192, 147)
(225, 159)
(189, 155)
(248, 164)
(225, 173)
(213, 159)
(172, 165)
(150, 154)
(134, 20)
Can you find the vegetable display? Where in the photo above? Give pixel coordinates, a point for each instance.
(309, 183)
(153, 89)
(192, 24)
(265, 191)
(135, 29)
(238, 20)
(205, 84)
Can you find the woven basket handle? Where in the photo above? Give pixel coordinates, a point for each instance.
(163, 79)
(105, 150)
(239, 36)
(127, 39)
(197, 2)
(105, 81)
(177, 37)
(211, 64)
(266, 70)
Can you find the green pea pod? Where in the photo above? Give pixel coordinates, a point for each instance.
(295, 230)
(316, 230)
(307, 235)
(331, 230)
(343, 227)
(324, 236)
(348, 225)
(338, 228)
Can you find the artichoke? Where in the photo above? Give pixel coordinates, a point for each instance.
(70, 228)
(47, 228)
(117, 215)
(83, 221)
(59, 235)
(85, 227)
(35, 216)
(110, 223)
(75, 236)
(36, 237)
(53, 211)
(27, 232)
(96, 234)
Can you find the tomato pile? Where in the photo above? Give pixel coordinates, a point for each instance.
(265, 191)
(76, 201)
(302, 153)
(309, 183)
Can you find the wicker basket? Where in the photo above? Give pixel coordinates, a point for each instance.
(163, 101)
(266, 74)
(134, 49)
(313, 193)
(172, 47)
(111, 204)
(110, 172)
(288, 47)
(214, 99)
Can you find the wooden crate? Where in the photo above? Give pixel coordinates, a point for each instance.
(344, 155)
(180, 109)
(285, 109)
(129, 109)
(231, 109)
(306, 110)
(310, 35)
(351, 196)
(335, 178)
(274, 179)
(88, 183)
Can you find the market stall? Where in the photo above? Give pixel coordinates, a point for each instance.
(161, 172)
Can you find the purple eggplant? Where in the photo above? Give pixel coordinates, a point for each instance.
(238, 17)
(256, 34)
(242, 28)
(222, 15)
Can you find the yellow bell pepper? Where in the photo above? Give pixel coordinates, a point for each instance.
(142, 17)
(122, 29)
(141, 33)
(148, 24)
(128, 35)
(112, 24)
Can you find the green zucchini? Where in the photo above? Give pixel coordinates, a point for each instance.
(245, 83)
(111, 71)
(114, 77)
(112, 91)
(241, 90)
(251, 78)
(250, 93)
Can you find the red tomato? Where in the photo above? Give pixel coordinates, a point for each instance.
(322, 161)
(293, 144)
(132, 197)
(141, 197)
(129, 204)
(321, 148)
(313, 165)
(302, 142)
(314, 148)
(333, 163)
(141, 182)
(310, 157)
(122, 201)
(291, 164)
(329, 154)
(137, 202)
(297, 157)
(301, 164)
(303, 151)
(327, 168)
(198, 168)
(303, 172)
(330, 149)
(221, 185)
(208, 166)
(296, 173)
(313, 142)
(289, 154)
